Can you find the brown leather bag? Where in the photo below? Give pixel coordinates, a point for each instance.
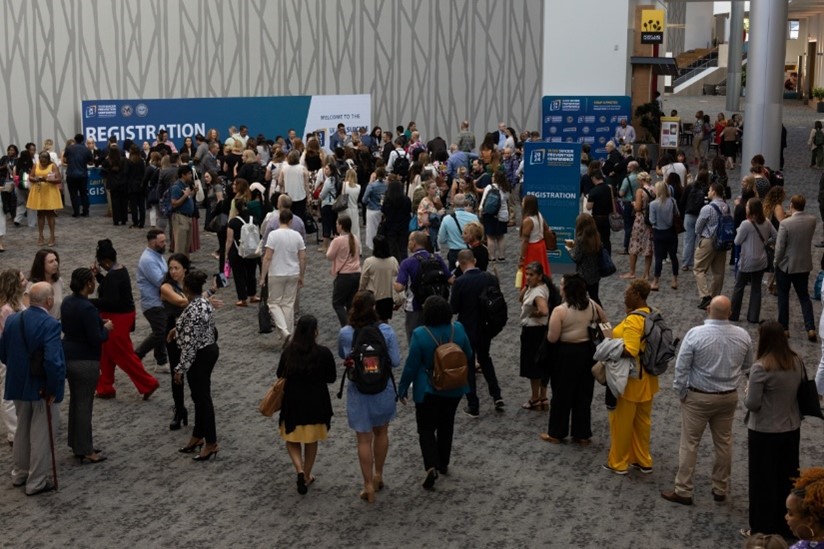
(550, 238)
(449, 370)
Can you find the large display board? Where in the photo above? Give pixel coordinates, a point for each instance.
(141, 119)
(590, 119)
(551, 173)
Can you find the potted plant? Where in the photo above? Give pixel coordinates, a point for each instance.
(818, 93)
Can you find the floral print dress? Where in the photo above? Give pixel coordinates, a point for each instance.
(640, 242)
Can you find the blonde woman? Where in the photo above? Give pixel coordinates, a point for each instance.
(12, 286)
(352, 191)
(662, 213)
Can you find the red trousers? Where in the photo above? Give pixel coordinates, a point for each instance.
(118, 350)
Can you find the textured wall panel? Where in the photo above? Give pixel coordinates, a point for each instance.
(435, 62)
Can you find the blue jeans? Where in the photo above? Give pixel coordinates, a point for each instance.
(799, 281)
(688, 259)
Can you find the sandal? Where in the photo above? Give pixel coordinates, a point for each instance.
(653, 288)
(532, 404)
(745, 532)
(546, 437)
(544, 404)
(627, 276)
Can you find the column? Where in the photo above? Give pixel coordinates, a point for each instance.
(735, 52)
(765, 80)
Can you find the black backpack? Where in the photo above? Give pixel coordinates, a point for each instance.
(493, 310)
(430, 279)
(695, 200)
(401, 165)
(371, 366)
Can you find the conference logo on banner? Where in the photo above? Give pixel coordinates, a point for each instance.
(552, 175)
(142, 119)
(584, 119)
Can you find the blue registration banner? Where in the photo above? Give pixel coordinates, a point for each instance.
(552, 174)
(590, 119)
(97, 192)
(141, 119)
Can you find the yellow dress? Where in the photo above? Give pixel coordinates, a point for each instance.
(44, 195)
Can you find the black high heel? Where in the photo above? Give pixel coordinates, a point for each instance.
(207, 457)
(181, 415)
(191, 448)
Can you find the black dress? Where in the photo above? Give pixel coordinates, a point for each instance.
(306, 398)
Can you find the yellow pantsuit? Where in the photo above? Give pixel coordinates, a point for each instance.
(631, 421)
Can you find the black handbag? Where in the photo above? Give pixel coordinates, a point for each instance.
(596, 335)
(264, 316)
(808, 403)
(37, 358)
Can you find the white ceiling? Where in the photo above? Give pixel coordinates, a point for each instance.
(806, 8)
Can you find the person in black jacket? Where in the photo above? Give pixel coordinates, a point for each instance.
(115, 303)
(466, 304)
(114, 170)
(306, 413)
(83, 333)
(135, 169)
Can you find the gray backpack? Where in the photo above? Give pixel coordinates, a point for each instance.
(661, 344)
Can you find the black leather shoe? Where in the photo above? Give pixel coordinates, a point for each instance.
(719, 497)
(431, 477)
(705, 302)
(675, 498)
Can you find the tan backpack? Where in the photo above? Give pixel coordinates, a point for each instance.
(450, 368)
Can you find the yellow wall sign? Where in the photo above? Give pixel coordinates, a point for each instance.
(652, 26)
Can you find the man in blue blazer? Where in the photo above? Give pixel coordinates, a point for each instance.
(24, 333)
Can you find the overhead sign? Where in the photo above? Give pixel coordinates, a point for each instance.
(584, 119)
(141, 119)
(652, 26)
(552, 174)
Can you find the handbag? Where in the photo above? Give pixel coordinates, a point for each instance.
(596, 335)
(550, 238)
(599, 372)
(616, 220)
(769, 249)
(218, 222)
(264, 316)
(310, 225)
(606, 267)
(807, 396)
(37, 358)
(677, 220)
(273, 399)
(341, 202)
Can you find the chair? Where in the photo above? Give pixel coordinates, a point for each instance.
(686, 133)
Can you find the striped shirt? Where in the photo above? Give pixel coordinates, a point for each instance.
(712, 358)
(709, 217)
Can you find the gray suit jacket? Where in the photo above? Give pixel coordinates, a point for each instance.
(793, 247)
(772, 404)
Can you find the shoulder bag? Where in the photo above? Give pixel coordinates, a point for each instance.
(808, 403)
(769, 249)
(273, 399)
(550, 238)
(616, 220)
(677, 220)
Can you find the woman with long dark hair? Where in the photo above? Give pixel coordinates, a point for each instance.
(306, 412)
(84, 332)
(773, 428)
(584, 251)
(533, 247)
(572, 381)
(197, 338)
(397, 210)
(22, 168)
(369, 415)
(344, 253)
(46, 268)
(174, 302)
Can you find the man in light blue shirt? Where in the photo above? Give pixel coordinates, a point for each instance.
(151, 271)
(450, 235)
(710, 367)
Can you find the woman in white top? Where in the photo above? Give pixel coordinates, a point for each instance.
(377, 275)
(534, 298)
(352, 191)
(294, 180)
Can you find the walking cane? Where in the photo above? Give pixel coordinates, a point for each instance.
(51, 441)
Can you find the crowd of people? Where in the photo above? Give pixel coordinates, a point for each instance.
(434, 218)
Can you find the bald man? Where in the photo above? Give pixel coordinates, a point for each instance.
(26, 332)
(711, 364)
